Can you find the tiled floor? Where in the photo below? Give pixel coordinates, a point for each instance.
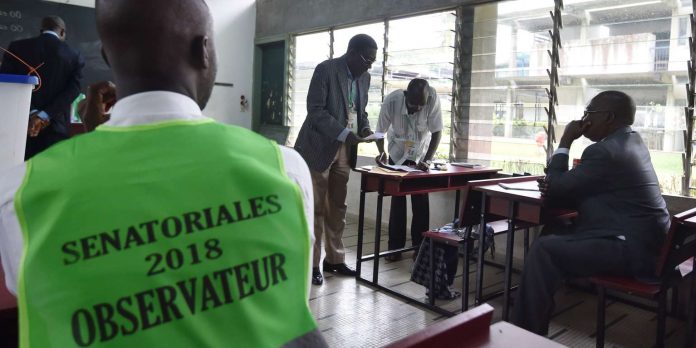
(354, 315)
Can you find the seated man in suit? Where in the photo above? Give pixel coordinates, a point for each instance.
(622, 217)
(60, 70)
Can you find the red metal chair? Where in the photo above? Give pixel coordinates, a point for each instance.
(453, 332)
(679, 246)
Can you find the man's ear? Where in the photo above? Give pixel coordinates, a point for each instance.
(200, 52)
(62, 34)
(612, 118)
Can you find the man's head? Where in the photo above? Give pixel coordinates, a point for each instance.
(417, 95)
(362, 52)
(607, 112)
(159, 45)
(54, 24)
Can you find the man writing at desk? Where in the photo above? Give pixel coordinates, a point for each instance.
(413, 122)
(622, 217)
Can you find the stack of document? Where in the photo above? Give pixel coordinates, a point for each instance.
(400, 168)
(466, 164)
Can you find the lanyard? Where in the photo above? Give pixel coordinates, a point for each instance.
(411, 127)
(351, 94)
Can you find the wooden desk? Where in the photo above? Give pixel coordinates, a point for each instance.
(503, 334)
(454, 178)
(473, 329)
(515, 205)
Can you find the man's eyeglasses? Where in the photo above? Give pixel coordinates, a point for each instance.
(365, 61)
(587, 113)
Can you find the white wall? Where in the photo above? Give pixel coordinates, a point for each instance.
(235, 22)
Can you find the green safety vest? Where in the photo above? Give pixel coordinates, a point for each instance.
(176, 234)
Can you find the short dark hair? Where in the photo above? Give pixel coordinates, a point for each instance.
(52, 23)
(621, 104)
(361, 42)
(417, 86)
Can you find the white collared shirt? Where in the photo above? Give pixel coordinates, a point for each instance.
(402, 127)
(137, 109)
(51, 32)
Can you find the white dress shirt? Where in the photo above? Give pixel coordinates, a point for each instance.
(138, 109)
(402, 128)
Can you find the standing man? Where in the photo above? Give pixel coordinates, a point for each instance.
(60, 70)
(413, 122)
(161, 227)
(622, 217)
(336, 123)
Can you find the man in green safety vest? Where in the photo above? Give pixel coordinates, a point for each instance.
(162, 228)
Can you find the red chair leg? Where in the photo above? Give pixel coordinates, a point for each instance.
(601, 302)
(661, 316)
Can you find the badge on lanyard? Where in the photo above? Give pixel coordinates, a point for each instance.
(352, 122)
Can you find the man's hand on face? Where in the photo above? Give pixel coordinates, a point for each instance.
(573, 130)
(382, 158)
(101, 97)
(36, 125)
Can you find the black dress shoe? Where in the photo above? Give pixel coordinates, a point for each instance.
(339, 268)
(317, 278)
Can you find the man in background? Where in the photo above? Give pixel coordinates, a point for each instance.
(622, 217)
(336, 122)
(412, 120)
(59, 68)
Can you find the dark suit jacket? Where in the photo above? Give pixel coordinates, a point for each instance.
(327, 113)
(616, 192)
(60, 76)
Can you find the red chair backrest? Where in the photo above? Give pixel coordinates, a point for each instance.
(680, 243)
(470, 201)
(452, 332)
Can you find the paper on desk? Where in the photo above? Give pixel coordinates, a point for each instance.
(375, 136)
(381, 170)
(522, 186)
(402, 168)
(686, 267)
(466, 164)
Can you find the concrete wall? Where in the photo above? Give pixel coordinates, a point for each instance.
(234, 37)
(278, 17)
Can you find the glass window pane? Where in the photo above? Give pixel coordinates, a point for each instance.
(508, 81)
(310, 50)
(423, 47)
(640, 48)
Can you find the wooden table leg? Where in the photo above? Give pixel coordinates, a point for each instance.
(361, 228)
(479, 260)
(508, 259)
(378, 231)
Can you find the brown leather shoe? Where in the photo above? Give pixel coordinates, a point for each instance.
(339, 268)
(317, 278)
(393, 257)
